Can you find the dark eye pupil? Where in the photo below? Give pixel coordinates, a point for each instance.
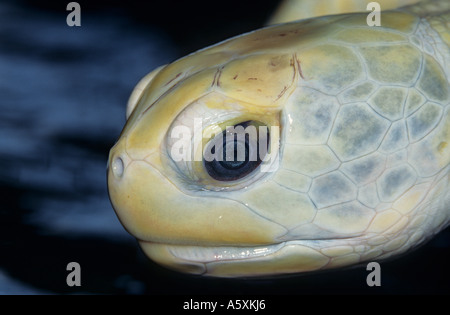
(237, 156)
(230, 158)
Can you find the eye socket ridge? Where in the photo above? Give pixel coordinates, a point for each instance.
(237, 151)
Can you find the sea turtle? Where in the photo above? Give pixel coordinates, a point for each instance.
(303, 146)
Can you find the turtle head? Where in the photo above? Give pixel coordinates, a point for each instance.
(281, 151)
(212, 171)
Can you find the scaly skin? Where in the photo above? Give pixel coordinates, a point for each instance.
(364, 156)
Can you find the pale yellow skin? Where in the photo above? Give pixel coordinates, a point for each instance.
(292, 10)
(364, 154)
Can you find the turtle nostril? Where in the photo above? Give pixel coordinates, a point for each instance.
(117, 167)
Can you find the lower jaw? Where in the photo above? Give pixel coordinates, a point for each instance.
(236, 261)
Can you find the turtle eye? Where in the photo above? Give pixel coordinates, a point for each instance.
(236, 152)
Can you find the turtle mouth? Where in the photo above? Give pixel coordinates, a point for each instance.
(236, 261)
(222, 253)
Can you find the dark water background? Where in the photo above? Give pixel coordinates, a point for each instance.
(63, 92)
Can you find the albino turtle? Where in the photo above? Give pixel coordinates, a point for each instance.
(353, 142)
